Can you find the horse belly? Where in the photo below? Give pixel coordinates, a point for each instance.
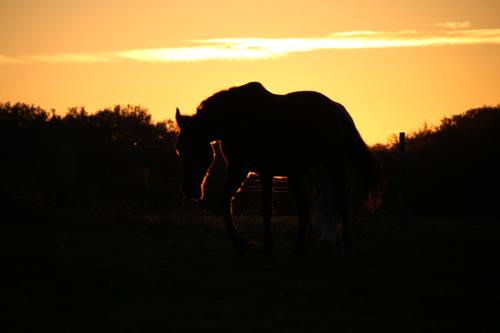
(280, 155)
(280, 161)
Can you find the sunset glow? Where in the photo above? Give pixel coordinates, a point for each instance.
(395, 64)
(259, 48)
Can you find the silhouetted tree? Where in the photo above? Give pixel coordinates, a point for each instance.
(452, 168)
(115, 159)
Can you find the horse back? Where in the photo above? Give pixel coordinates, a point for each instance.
(285, 131)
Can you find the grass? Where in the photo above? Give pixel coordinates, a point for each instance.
(166, 273)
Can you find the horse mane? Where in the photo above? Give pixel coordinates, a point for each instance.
(231, 95)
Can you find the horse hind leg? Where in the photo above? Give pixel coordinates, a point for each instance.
(329, 220)
(313, 193)
(342, 208)
(297, 189)
(346, 230)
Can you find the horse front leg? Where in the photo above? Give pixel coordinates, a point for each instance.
(266, 181)
(234, 179)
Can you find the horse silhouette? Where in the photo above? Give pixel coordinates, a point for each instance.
(303, 135)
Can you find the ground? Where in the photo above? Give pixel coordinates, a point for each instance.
(161, 273)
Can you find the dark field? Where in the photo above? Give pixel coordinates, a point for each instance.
(160, 274)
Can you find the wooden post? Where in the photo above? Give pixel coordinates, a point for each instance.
(403, 211)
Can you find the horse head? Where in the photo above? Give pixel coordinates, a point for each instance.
(196, 155)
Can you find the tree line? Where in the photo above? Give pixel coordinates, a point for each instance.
(118, 160)
(114, 160)
(452, 169)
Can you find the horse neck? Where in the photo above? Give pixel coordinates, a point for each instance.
(213, 124)
(212, 130)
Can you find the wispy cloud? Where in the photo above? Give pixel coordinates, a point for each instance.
(207, 50)
(71, 58)
(451, 33)
(453, 25)
(4, 60)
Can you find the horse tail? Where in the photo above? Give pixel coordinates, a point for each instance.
(369, 181)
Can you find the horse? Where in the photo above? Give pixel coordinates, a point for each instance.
(303, 135)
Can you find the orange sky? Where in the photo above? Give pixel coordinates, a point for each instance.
(394, 64)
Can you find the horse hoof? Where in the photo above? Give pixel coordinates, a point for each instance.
(240, 246)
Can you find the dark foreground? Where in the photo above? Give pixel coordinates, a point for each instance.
(181, 274)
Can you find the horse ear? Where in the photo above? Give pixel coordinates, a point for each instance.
(179, 118)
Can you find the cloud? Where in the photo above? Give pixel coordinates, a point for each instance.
(453, 25)
(4, 60)
(206, 51)
(264, 48)
(72, 58)
(359, 40)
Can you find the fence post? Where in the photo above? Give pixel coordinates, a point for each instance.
(403, 211)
